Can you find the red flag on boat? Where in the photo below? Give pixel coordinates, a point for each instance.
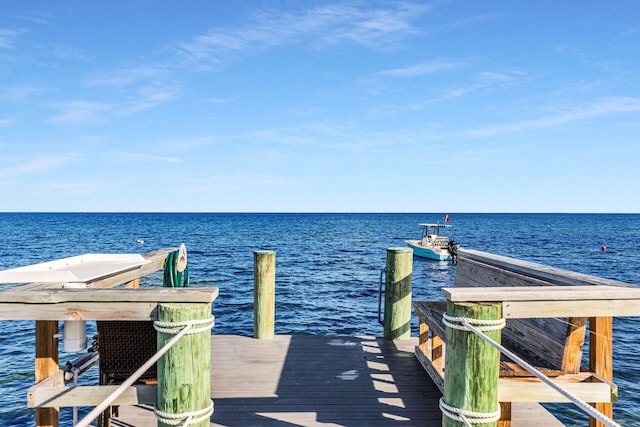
(446, 218)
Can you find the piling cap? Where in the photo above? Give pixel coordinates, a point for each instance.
(400, 249)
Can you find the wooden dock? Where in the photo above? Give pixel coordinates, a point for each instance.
(317, 380)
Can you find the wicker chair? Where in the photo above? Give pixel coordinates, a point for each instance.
(124, 346)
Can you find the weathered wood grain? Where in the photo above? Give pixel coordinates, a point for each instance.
(264, 294)
(309, 380)
(547, 273)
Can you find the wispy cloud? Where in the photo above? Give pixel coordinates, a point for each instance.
(327, 25)
(603, 107)
(6, 122)
(36, 17)
(483, 81)
(147, 97)
(81, 111)
(35, 166)
(8, 37)
(127, 76)
(19, 93)
(68, 188)
(76, 112)
(470, 20)
(143, 157)
(64, 52)
(433, 67)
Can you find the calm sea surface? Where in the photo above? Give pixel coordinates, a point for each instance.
(328, 267)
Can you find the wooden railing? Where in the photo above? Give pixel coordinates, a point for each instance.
(102, 299)
(524, 292)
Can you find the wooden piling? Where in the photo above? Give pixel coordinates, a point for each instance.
(397, 294)
(46, 364)
(472, 366)
(184, 372)
(264, 294)
(601, 359)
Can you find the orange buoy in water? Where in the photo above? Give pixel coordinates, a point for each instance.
(603, 248)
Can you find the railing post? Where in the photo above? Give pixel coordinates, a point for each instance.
(601, 359)
(264, 294)
(397, 294)
(46, 364)
(184, 372)
(472, 365)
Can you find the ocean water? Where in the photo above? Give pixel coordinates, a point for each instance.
(327, 272)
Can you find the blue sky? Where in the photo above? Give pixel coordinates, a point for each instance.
(306, 106)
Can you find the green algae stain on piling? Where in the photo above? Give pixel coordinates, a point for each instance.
(184, 372)
(397, 294)
(472, 365)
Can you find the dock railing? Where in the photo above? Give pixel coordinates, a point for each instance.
(177, 310)
(552, 302)
(539, 313)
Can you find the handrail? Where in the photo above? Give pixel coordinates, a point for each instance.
(570, 396)
(133, 378)
(554, 301)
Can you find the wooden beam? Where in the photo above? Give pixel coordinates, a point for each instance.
(547, 273)
(601, 359)
(436, 374)
(41, 397)
(155, 263)
(46, 365)
(585, 386)
(572, 354)
(53, 381)
(53, 296)
(584, 308)
(541, 293)
(79, 311)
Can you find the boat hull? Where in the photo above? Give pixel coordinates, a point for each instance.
(439, 254)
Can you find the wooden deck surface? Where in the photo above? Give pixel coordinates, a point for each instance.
(313, 380)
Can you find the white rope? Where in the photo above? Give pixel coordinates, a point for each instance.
(573, 398)
(171, 328)
(133, 378)
(187, 328)
(186, 418)
(485, 325)
(468, 417)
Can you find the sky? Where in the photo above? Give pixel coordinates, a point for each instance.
(320, 106)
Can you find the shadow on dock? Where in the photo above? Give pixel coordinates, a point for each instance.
(312, 380)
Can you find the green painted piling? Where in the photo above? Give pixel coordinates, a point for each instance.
(184, 372)
(264, 294)
(472, 365)
(397, 294)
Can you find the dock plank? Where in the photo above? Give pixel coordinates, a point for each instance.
(313, 380)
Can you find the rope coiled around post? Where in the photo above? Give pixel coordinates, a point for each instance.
(186, 418)
(584, 406)
(468, 417)
(465, 416)
(173, 328)
(485, 325)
